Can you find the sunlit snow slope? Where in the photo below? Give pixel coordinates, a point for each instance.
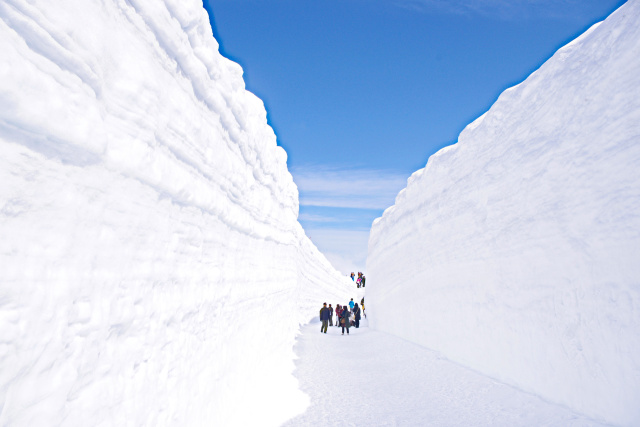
(516, 251)
(153, 271)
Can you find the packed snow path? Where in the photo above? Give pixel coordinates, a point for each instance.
(371, 378)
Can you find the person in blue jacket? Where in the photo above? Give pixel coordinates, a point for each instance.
(351, 303)
(324, 318)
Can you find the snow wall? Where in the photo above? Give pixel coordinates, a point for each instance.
(516, 251)
(153, 269)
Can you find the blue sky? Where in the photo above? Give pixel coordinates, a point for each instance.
(361, 92)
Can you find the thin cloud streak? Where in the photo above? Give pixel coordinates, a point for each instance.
(502, 9)
(346, 202)
(348, 188)
(317, 218)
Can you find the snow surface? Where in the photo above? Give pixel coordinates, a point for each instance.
(153, 269)
(515, 252)
(371, 378)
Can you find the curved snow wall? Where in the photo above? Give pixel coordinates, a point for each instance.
(516, 251)
(153, 269)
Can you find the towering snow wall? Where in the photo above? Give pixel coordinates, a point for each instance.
(153, 271)
(516, 251)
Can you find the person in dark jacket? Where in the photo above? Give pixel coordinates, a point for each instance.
(330, 315)
(364, 279)
(356, 312)
(344, 319)
(324, 317)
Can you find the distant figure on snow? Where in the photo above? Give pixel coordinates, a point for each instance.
(330, 315)
(356, 312)
(359, 281)
(353, 275)
(338, 314)
(351, 303)
(344, 320)
(363, 280)
(324, 318)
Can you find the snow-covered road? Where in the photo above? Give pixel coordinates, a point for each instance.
(371, 378)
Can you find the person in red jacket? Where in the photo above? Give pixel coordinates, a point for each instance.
(338, 313)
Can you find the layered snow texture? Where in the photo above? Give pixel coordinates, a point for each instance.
(516, 251)
(153, 269)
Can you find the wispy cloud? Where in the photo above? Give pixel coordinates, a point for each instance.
(338, 205)
(345, 249)
(503, 9)
(348, 188)
(308, 217)
(337, 218)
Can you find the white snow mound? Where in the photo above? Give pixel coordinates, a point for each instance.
(153, 269)
(516, 251)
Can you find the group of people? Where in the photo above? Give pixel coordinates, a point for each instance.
(346, 316)
(360, 280)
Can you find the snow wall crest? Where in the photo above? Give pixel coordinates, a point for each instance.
(153, 269)
(515, 251)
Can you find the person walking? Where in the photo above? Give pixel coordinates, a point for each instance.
(330, 315)
(338, 314)
(351, 304)
(324, 318)
(364, 279)
(344, 320)
(356, 312)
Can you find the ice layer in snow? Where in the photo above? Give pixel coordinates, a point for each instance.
(153, 271)
(516, 251)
